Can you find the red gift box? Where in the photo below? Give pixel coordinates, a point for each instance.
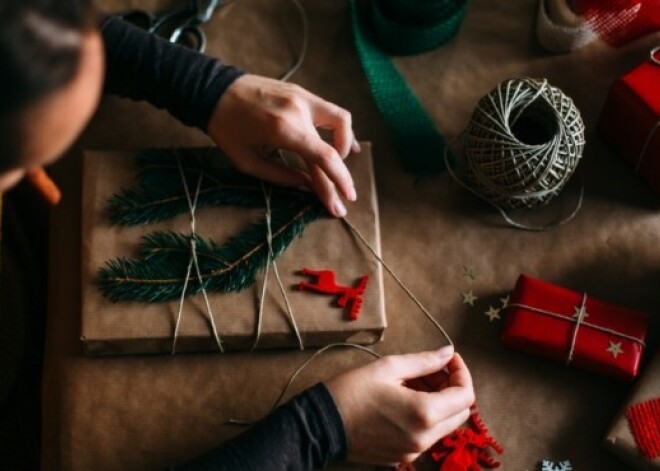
(571, 327)
(630, 121)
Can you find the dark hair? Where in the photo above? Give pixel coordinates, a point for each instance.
(40, 46)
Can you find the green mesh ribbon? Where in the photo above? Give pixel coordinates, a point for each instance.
(405, 27)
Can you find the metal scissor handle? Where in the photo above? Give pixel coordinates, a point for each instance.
(155, 23)
(192, 26)
(183, 33)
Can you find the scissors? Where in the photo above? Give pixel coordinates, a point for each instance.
(182, 24)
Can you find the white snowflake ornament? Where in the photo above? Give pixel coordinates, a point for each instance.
(547, 465)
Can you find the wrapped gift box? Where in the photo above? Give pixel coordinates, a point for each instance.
(571, 327)
(128, 327)
(635, 434)
(629, 121)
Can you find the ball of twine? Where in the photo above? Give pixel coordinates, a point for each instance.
(524, 141)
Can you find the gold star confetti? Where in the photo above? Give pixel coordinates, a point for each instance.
(493, 313)
(615, 349)
(469, 272)
(505, 301)
(469, 297)
(579, 310)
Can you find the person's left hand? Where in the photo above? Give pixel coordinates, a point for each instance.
(398, 406)
(257, 115)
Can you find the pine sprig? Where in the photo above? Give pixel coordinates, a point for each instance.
(160, 195)
(159, 274)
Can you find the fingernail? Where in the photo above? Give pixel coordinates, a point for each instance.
(357, 148)
(446, 351)
(340, 209)
(352, 194)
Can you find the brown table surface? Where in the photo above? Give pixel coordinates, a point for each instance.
(140, 413)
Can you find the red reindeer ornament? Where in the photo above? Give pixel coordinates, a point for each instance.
(466, 449)
(325, 282)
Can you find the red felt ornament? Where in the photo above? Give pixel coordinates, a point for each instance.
(644, 421)
(325, 282)
(466, 449)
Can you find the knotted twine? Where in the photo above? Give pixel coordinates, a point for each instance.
(269, 262)
(405, 27)
(579, 320)
(192, 207)
(522, 144)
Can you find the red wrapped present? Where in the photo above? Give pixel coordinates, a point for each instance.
(571, 327)
(630, 120)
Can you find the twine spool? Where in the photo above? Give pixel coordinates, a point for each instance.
(523, 143)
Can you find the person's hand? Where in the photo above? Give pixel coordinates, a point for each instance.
(388, 419)
(257, 115)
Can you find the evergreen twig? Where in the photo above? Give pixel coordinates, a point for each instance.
(159, 194)
(159, 273)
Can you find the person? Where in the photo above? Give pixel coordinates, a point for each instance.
(59, 56)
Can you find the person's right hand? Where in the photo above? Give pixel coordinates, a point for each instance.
(257, 115)
(386, 420)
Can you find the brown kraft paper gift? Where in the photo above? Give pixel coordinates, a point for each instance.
(110, 328)
(620, 439)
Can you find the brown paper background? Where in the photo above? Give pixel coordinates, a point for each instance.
(141, 413)
(619, 438)
(134, 327)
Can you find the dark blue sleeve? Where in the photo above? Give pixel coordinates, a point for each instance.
(304, 434)
(143, 66)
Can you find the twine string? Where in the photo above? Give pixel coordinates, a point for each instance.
(194, 262)
(303, 367)
(400, 282)
(582, 312)
(180, 312)
(305, 42)
(260, 313)
(521, 102)
(271, 261)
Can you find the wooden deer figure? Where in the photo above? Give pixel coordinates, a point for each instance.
(325, 282)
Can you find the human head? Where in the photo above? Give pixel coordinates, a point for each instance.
(51, 73)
